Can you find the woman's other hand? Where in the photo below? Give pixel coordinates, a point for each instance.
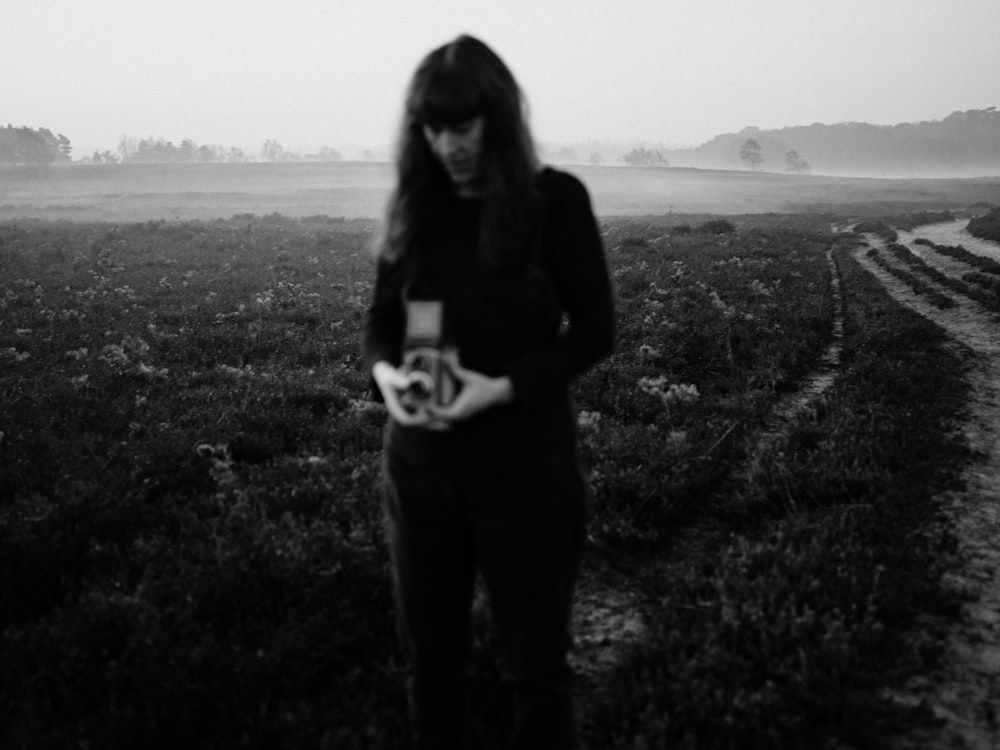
(391, 382)
(477, 392)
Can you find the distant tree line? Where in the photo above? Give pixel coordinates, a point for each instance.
(964, 143)
(39, 147)
(159, 151)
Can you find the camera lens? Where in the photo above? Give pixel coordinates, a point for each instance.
(420, 386)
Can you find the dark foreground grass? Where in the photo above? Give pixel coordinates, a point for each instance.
(192, 551)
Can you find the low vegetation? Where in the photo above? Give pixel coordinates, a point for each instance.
(192, 546)
(987, 226)
(909, 221)
(878, 227)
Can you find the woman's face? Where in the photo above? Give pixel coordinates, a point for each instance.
(459, 149)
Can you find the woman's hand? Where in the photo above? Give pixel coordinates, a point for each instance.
(391, 382)
(478, 392)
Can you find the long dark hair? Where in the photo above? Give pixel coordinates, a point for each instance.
(453, 84)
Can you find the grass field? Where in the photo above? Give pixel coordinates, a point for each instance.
(192, 550)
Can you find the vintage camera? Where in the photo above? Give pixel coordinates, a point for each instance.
(426, 358)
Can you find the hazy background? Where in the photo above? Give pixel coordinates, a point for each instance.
(314, 73)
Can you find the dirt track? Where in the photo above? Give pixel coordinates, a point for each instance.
(965, 695)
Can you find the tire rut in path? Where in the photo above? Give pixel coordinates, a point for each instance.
(608, 614)
(965, 694)
(793, 406)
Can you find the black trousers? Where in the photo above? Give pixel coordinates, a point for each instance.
(521, 523)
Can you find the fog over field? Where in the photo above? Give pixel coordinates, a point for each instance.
(143, 192)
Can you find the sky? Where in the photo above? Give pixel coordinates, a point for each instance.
(314, 73)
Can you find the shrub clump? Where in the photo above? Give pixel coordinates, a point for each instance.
(717, 226)
(878, 228)
(910, 221)
(986, 227)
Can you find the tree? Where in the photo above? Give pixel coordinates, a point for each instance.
(39, 148)
(128, 147)
(188, 151)
(645, 157)
(329, 153)
(105, 157)
(795, 164)
(65, 147)
(750, 154)
(271, 150)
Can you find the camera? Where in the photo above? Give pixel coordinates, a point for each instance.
(426, 358)
(429, 378)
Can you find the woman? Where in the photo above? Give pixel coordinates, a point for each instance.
(484, 255)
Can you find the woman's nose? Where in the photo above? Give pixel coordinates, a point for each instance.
(448, 142)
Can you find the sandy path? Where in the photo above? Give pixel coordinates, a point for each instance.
(954, 233)
(965, 695)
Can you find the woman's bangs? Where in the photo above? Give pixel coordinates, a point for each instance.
(445, 100)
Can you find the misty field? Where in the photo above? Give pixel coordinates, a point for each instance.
(142, 192)
(192, 552)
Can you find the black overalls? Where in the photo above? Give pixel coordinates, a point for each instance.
(501, 492)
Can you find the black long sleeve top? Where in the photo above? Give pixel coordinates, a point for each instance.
(541, 331)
